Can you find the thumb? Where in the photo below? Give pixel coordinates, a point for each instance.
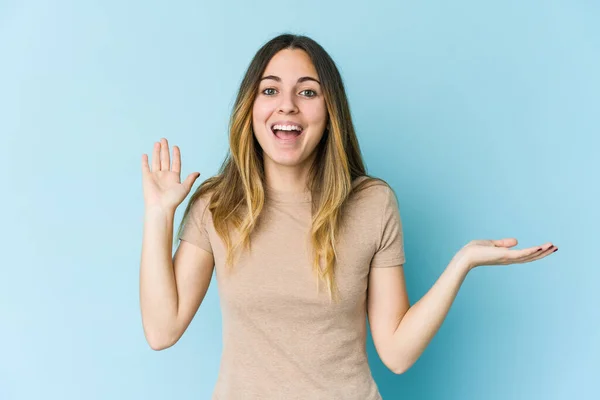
(191, 178)
(506, 242)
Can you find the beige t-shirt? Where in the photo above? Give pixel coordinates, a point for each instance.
(282, 340)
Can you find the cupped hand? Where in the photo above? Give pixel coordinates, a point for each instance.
(498, 252)
(162, 185)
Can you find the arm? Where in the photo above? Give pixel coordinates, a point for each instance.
(401, 332)
(170, 290)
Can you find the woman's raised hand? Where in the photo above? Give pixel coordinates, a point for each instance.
(497, 252)
(162, 185)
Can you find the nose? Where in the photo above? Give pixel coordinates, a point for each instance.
(287, 103)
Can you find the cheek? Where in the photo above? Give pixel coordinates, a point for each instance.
(317, 113)
(261, 112)
(262, 107)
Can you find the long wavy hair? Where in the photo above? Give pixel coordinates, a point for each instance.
(237, 192)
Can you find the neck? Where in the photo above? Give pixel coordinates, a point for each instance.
(289, 179)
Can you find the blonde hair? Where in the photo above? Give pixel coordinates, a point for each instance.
(241, 178)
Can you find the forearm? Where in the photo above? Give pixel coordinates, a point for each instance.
(422, 321)
(158, 289)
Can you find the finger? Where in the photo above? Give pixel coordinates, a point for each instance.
(517, 256)
(540, 254)
(537, 253)
(506, 242)
(176, 160)
(156, 157)
(189, 181)
(165, 159)
(145, 166)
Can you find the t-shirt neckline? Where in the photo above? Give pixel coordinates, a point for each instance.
(280, 196)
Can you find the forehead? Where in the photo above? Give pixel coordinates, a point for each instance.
(291, 64)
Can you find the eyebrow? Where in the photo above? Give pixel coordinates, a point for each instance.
(300, 80)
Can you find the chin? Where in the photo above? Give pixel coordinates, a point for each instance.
(287, 161)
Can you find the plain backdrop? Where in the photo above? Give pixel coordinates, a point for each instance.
(483, 116)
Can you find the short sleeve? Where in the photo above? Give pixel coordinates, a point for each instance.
(194, 227)
(390, 246)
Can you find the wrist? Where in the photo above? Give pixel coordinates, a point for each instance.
(158, 211)
(462, 262)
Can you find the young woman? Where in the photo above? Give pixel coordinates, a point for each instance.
(305, 244)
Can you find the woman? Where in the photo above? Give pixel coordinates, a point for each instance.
(291, 211)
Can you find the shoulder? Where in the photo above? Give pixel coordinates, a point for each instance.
(373, 191)
(369, 201)
(199, 204)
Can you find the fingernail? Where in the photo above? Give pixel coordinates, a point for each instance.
(556, 249)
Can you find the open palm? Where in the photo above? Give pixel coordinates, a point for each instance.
(498, 252)
(162, 185)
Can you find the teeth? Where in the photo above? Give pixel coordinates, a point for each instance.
(287, 128)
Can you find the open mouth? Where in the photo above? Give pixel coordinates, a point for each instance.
(286, 135)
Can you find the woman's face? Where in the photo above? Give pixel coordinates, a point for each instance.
(289, 94)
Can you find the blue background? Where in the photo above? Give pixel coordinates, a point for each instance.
(483, 116)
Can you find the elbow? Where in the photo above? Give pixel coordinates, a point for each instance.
(396, 367)
(398, 370)
(159, 341)
(158, 345)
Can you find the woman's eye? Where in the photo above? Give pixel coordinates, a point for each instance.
(268, 92)
(312, 91)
